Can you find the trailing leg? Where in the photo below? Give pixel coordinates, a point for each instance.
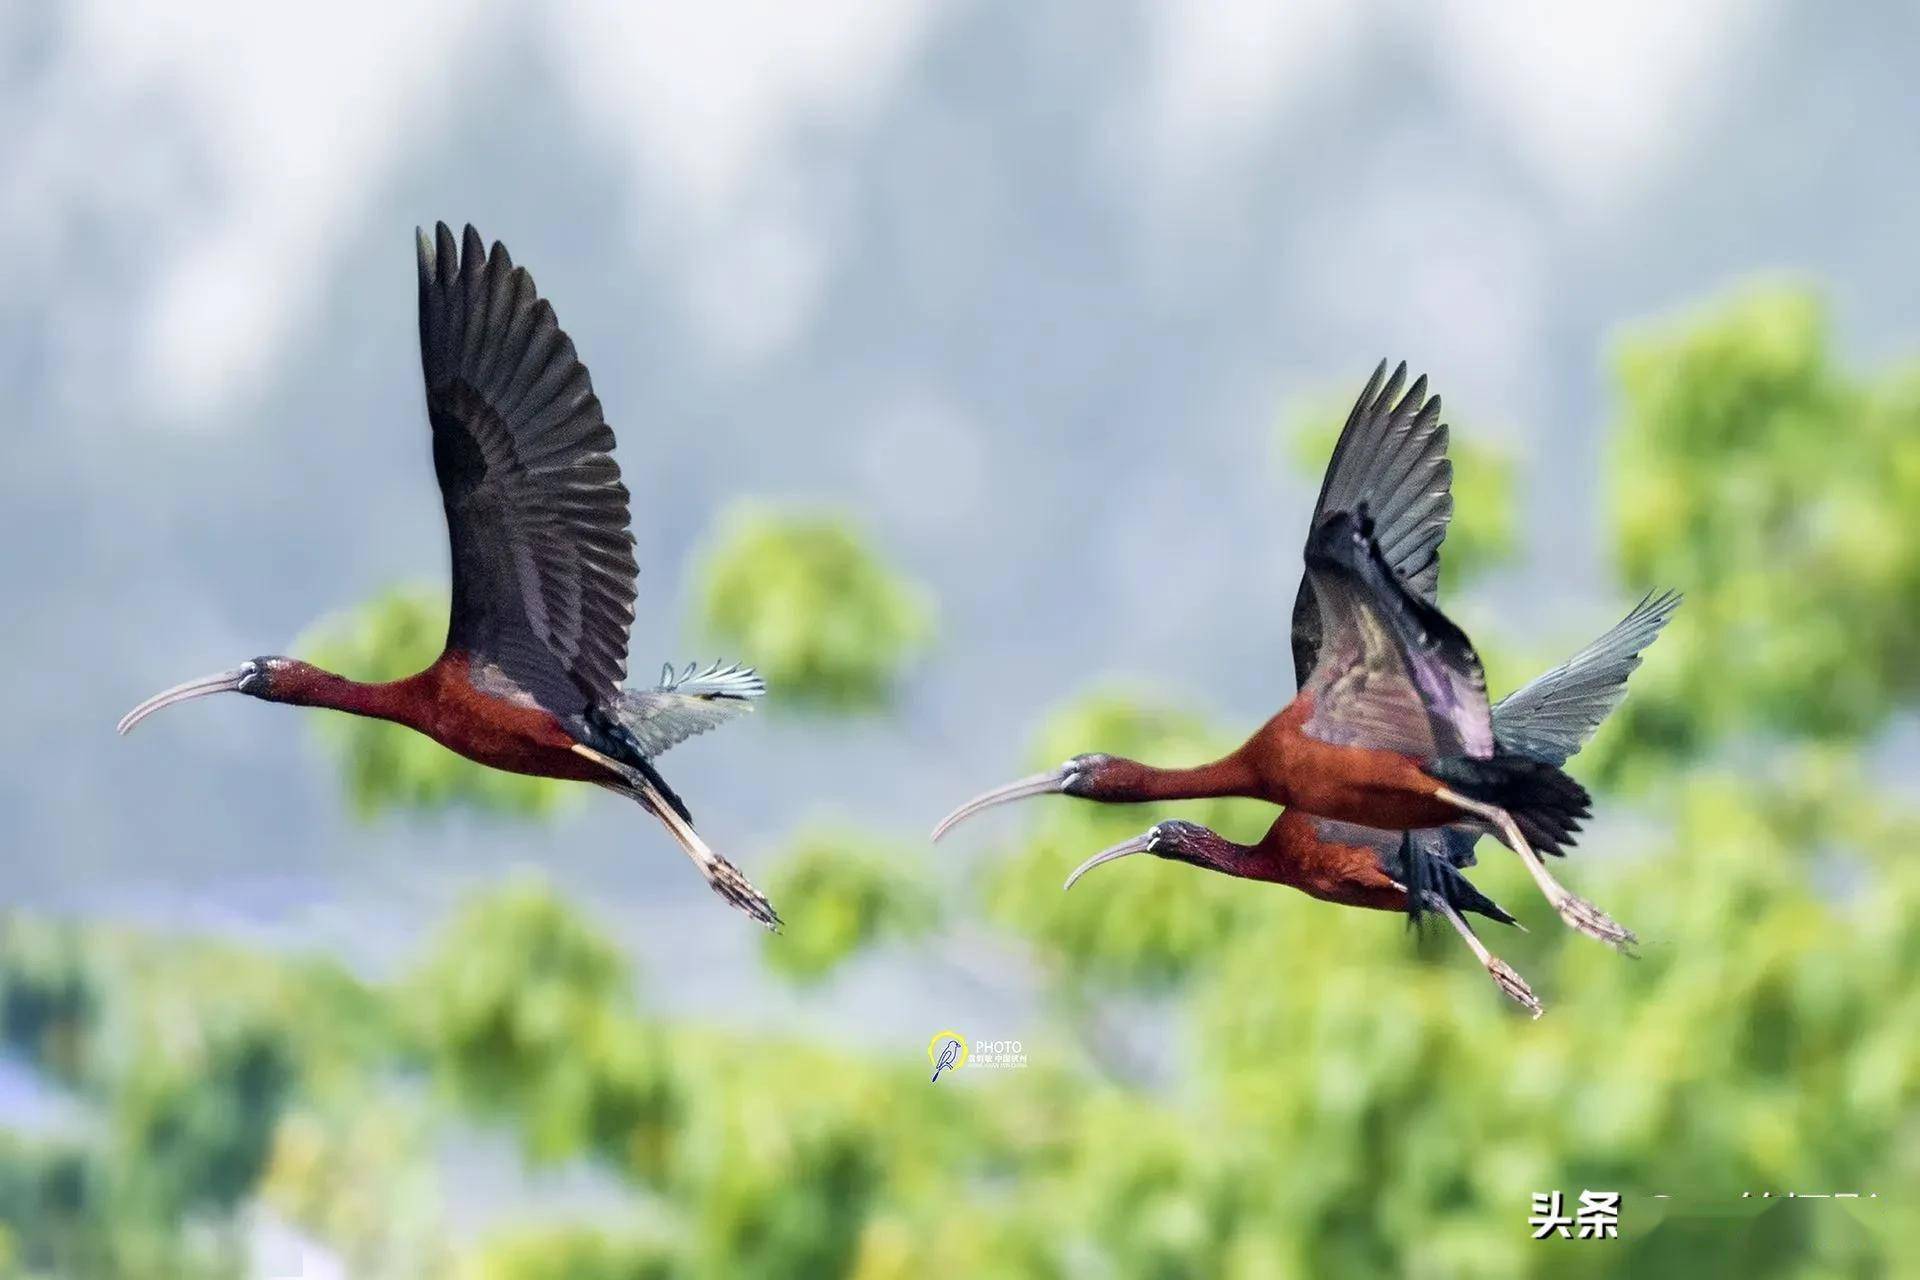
(1575, 910)
(1503, 975)
(726, 879)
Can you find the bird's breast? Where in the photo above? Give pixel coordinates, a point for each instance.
(502, 732)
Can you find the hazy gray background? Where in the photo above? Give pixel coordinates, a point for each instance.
(1027, 287)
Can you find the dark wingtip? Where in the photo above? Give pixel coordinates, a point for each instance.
(446, 254)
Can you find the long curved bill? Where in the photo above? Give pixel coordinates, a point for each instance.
(1039, 784)
(1139, 844)
(224, 682)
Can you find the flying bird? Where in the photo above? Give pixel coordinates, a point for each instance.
(1390, 728)
(1550, 718)
(531, 677)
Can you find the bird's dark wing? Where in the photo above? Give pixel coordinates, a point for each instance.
(1553, 715)
(686, 704)
(1394, 673)
(543, 567)
(1391, 455)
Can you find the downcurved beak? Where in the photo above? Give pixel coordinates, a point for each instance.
(224, 682)
(1139, 844)
(1040, 784)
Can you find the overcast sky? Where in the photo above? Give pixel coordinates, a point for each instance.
(1025, 287)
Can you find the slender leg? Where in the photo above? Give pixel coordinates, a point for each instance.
(1509, 981)
(726, 879)
(1575, 910)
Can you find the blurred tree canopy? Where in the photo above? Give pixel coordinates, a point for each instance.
(1781, 489)
(1340, 1100)
(802, 598)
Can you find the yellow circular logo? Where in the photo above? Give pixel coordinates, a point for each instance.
(947, 1051)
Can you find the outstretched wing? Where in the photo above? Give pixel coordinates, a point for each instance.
(1391, 455)
(1553, 715)
(543, 567)
(687, 704)
(1394, 673)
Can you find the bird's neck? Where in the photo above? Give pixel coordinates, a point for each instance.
(1123, 780)
(1215, 852)
(305, 685)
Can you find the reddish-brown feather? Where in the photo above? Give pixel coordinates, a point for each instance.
(1292, 853)
(443, 703)
(1352, 784)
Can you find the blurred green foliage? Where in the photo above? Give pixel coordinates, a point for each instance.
(842, 891)
(1779, 491)
(1335, 1098)
(390, 769)
(802, 598)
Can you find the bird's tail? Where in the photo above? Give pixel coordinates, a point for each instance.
(726, 879)
(1544, 802)
(1465, 896)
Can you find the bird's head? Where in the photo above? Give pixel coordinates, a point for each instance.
(272, 678)
(1094, 776)
(1174, 840)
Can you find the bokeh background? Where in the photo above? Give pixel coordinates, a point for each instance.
(972, 364)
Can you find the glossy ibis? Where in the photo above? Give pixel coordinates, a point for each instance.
(543, 570)
(1391, 727)
(1549, 718)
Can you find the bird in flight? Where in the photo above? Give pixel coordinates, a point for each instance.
(1390, 729)
(1550, 718)
(531, 677)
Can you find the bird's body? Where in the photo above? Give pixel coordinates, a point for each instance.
(1323, 861)
(543, 569)
(1339, 862)
(477, 714)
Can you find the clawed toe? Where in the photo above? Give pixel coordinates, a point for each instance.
(1595, 923)
(729, 883)
(1515, 986)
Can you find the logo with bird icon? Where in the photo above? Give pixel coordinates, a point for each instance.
(947, 1051)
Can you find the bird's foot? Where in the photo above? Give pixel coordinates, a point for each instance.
(1595, 923)
(1514, 985)
(732, 884)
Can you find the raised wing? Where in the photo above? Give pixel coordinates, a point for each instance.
(687, 704)
(543, 567)
(1553, 715)
(1394, 673)
(1391, 455)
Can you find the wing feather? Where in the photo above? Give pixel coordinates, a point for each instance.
(687, 704)
(1394, 673)
(1392, 456)
(1553, 715)
(543, 564)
